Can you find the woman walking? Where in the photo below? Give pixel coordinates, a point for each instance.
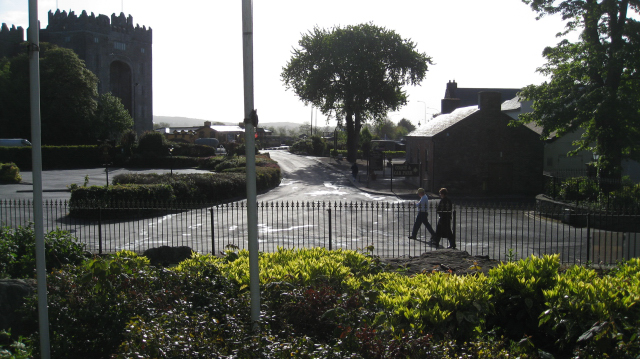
(443, 228)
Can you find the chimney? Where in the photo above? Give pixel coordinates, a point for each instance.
(489, 101)
(207, 123)
(448, 105)
(451, 89)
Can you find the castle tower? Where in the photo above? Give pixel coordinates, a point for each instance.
(118, 53)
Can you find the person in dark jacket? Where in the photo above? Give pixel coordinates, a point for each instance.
(443, 228)
(354, 171)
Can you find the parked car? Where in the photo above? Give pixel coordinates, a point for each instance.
(14, 142)
(220, 150)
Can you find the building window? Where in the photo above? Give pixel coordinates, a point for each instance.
(142, 50)
(67, 39)
(96, 40)
(119, 45)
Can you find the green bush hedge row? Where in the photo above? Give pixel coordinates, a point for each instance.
(54, 157)
(129, 190)
(317, 303)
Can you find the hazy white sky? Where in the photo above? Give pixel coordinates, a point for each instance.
(197, 47)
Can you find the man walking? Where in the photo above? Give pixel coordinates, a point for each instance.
(422, 217)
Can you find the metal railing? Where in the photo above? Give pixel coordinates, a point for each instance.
(499, 231)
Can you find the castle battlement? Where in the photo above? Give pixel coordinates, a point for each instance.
(61, 21)
(11, 34)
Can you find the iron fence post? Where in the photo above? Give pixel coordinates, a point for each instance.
(213, 242)
(588, 237)
(99, 230)
(329, 211)
(454, 224)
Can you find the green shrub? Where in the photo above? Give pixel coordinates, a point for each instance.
(121, 193)
(440, 304)
(210, 163)
(153, 142)
(579, 189)
(10, 173)
(600, 312)
(93, 308)
(17, 251)
(317, 303)
(518, 294)
(14, 349)
(315, 146)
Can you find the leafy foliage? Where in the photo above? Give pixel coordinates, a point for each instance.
(315, 146)
(18, 253)
(68, 98)
(357, 72)
(336, 304)
(154, 143)
(112, 119)
(9, 173)
(593, 84)
(601, 312)
(517, 289)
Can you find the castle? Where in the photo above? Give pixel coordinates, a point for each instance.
(118, 53)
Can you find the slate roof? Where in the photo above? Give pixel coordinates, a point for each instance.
(442, 122)
(511, 105)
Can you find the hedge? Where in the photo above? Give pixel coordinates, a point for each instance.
(55, 157)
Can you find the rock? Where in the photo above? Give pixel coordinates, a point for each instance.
(166, 256)
(442, 260)
(12, 295)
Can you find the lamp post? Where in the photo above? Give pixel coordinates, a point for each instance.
(171, 159)
(425, 112)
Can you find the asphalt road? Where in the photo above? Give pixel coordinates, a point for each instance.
(316, 205)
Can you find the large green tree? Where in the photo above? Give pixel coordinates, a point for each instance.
(356, 72)
(594, 81)
(409, 127)
(111, 119)
(70, 114)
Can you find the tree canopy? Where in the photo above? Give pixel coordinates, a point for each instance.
(112, 119)
(594, 81)
(356, 72)
(71, 111)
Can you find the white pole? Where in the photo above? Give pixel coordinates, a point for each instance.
(36, 153)
(251, 121)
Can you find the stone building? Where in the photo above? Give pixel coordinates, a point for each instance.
(472, 150)
(118, 53)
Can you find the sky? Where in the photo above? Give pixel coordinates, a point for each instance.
(197, 48)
